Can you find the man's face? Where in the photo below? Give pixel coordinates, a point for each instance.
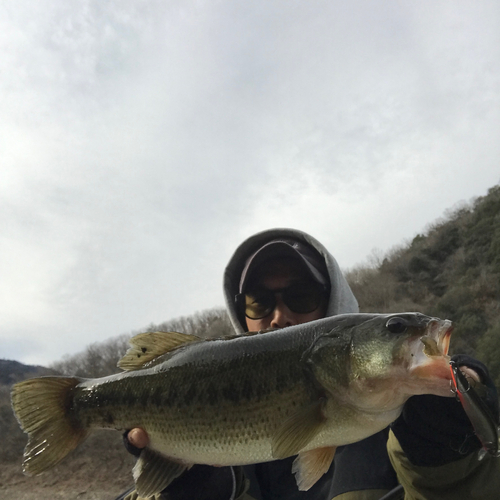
(277, 275)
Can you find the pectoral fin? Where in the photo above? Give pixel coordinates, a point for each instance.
(148, 346)
(310, 465)
(153, 472)
(298, 430)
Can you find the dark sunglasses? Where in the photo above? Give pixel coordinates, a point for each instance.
(301, 298)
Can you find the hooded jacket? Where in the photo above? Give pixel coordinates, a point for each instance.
(341, 300)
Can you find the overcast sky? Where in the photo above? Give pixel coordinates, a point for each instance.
(141, 142)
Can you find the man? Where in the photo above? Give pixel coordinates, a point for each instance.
(284, 277)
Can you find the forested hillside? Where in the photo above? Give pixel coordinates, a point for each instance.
(452, 271)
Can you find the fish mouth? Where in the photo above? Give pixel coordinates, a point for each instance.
(429, 353)
(437, 338)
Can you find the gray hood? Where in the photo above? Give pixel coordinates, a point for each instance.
(341, 301)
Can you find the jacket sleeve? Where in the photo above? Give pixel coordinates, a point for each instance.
(434, 450)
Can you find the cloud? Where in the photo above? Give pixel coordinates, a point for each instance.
(141, 143)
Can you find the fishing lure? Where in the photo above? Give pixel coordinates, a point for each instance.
(479, 414)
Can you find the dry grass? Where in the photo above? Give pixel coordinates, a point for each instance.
(100, 469)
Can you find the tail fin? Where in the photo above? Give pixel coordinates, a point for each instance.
(42, 407)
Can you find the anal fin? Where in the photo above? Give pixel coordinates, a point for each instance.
(153, 472)
(310, 465)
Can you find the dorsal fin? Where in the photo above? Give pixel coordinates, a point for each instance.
(148, 346)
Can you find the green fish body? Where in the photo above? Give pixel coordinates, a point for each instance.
(302, 390)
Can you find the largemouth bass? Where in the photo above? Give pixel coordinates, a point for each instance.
(302, 390)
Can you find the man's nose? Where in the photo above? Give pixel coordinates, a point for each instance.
(282, 316)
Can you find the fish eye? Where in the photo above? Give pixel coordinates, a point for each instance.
(396, 325)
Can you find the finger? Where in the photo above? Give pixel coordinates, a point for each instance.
(470, 373)
(138, 437)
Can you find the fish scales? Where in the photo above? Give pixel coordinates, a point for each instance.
(193, 400)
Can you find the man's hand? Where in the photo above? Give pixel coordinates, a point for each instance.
(135, 440)
(138, 437)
